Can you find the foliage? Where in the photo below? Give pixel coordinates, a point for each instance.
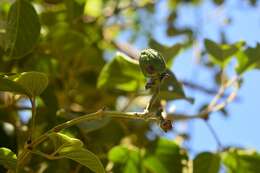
(90, 112)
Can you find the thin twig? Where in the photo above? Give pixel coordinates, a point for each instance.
(214, 134)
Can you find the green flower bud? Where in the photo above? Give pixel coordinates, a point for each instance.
(152, 63)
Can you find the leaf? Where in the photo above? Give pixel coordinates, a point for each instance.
(23, 29)
(206, 162)
(154, 165)
(168, 52)
(72, 148)
(248, 59)
(170, 155)
(33, 82)
(93, 8)
(221, 54)
(64, 141)
(241, 161)
(118, 154)
(171, 88)
(129, 160)
(122, 73)
(163, 156)
(11, 86)
(7, 158)
(84, 157)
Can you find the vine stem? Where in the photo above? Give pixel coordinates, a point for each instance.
(33, 103)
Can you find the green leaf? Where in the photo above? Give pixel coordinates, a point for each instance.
(170, 155)
(118, 154)
(206, 162)
(11, 86)
(7, 158)
(154, 165)
(63, 141)
(221, 54)
(93, 8)
(168, 52)
(122, 73)
(248, 59)
(162, 156)
(241, 161)
(84, 157)
(72, 148)
(23, 29)
(33, 82)
(171, 88)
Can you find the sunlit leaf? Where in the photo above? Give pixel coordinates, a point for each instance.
(7, 158)
(93, 8)
(248, 59)
(206, 163)
(118, 154)
(23, 29)
(241, 161)
(163, 156)
(122, 73)
(221, 54)
(73, 149)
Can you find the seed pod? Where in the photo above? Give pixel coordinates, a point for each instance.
(152, 63)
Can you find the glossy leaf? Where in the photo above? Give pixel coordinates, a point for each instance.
(33, 82)
(23, 29)
(206, 162)
(7, 158)
(122, 73)
(241, 161)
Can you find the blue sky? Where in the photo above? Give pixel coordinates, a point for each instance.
(241, 127)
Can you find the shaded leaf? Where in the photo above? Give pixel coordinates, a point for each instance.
(122, 73)
(168, 52)
(11, 86)
(8, 158)
(171, 88)
(33, 82)
(206, 162)
(23, 29)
